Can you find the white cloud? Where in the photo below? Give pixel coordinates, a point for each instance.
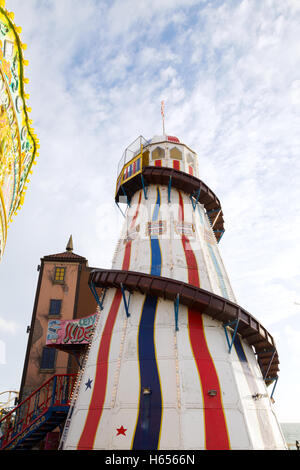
(7, 327)
(293, 338)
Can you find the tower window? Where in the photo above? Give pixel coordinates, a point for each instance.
(48, 358)
(55, 307)
(175, 153)
(158, 153)
(190, 159)
(59, 275)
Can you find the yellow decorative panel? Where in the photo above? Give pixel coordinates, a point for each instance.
(18, 143)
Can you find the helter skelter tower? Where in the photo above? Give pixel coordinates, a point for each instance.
(174, 363)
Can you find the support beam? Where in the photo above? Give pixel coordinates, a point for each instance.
(216, 218)
(145, 188)
(195, 195)
(230, 343)
(127, 198)
(274, 386)
(276, 380)
(221, 232)
(271, 360)
(95, 294)
(121, 210)
(126, 302)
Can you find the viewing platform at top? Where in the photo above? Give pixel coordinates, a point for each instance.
(166, 161)
(161, 151)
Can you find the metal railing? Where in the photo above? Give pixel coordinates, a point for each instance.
(132, 151)
(56, 392)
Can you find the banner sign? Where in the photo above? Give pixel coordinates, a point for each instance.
(68, 332)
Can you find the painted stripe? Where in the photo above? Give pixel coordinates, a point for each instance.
(147, 431)
(216, 434)
(94, 414)
(264, 425)
(218, 271)
(176, 164)
(200, 214)
(155, 248)
(193, 275)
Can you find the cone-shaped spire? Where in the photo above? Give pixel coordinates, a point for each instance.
(69, 246)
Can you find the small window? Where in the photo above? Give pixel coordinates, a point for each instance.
(190, 159)
(59, 275)
(48, 358)
(55, 307)
(176, 154)
(158, 153)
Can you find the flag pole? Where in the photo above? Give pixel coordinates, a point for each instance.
(163, 116)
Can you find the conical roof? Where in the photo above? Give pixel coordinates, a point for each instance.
(66, 256)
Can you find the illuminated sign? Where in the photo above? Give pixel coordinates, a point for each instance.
(18, 143)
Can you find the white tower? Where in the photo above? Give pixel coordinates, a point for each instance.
(174, 363)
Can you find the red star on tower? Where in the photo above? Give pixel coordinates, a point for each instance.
(121, 431)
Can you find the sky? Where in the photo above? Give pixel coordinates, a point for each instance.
(229, 73)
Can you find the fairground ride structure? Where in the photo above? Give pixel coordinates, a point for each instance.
(174, 362)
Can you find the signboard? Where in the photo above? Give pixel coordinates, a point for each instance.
(70, 332)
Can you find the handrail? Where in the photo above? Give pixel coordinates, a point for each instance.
(56, 391)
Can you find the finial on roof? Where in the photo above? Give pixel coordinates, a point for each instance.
(69, 246)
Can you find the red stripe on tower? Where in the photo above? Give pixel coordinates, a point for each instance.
(216, 435)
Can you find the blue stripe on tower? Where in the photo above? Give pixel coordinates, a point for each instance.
(155, 248)
(215, 261)
(150, 411)
(218, 271)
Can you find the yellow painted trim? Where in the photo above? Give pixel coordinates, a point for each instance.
(121, 175)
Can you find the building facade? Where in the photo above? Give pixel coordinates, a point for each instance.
(62, 294)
